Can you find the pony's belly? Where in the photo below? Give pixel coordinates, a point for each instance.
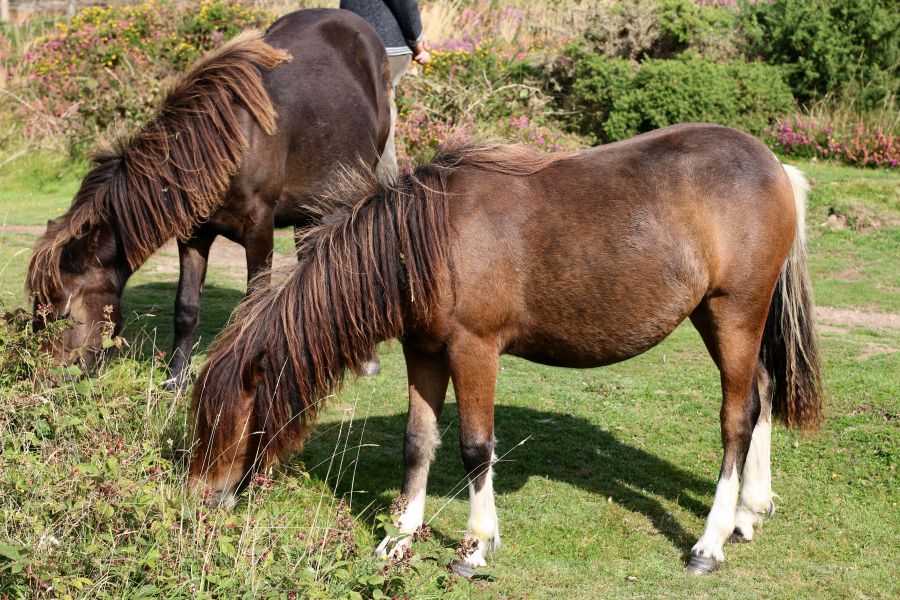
(587, 347)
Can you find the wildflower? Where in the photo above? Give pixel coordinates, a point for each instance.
(467, 547)
(423, 533)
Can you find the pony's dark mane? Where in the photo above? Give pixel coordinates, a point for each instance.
(166, 178)
(373, 267)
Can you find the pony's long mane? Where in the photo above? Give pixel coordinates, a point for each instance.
(376, 265)
(170, 175)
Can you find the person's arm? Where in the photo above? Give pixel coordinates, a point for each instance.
(407, 14)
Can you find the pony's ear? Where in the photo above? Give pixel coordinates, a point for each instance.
(254, 370)
(79, 253)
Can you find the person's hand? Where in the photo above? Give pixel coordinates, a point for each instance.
(421, 54)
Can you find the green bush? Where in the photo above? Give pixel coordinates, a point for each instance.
(591, 84)
(827, 47)
(609, 99)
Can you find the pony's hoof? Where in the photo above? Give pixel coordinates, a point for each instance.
(174, 385)
(701, 565)
(370, 368)
(462, 569)
(771, 509)
(737, 537)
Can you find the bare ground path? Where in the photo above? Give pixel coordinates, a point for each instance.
(224, 253)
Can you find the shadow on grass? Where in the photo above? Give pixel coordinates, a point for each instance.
(561, 448)
(148, 312)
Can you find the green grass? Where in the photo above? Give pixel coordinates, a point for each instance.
(37, 187)
(602, 500)
(856, 264)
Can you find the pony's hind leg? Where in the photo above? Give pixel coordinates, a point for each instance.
(473, 367)
(756, 487)
(428, 376)
(732, 332)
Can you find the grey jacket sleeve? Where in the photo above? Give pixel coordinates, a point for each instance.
(407, 14)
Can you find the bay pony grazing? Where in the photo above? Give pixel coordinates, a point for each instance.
(574, 260)
(240, 145)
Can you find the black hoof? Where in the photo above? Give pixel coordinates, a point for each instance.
(370, 368)
(462, 570)
(701, 565)
(737, 537)
(771, 509)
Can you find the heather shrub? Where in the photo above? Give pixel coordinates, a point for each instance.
(809, 138)
(103, 69)
(828, 48)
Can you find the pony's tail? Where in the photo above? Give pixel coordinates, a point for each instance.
(789, 350)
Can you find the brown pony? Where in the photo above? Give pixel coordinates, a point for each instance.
(240, 145)
(575, 260)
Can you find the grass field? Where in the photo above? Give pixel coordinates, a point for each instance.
(606, 494)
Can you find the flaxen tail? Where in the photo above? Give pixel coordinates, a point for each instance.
(789, 350)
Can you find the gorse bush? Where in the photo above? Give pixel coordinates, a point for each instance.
(611, 99)
(472, 90)
(827, 47)
(104, 69)
(638, 29)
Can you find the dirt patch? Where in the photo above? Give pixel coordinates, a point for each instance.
(224, 255)
(870, 350)
(857, 217)
(26, 229)
(854, 317)
(876, 410)
(849, 274)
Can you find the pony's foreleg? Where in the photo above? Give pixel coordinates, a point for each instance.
(192, 257)
(428, 376)
(473, 366)
(756, 487)
(259, 242)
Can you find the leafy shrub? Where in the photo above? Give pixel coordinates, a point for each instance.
(808, 138)
(94, 502)
(22, 351)
(828, 47)
(611, 100)
(104, 68)
(590, 84)
(475, 81)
